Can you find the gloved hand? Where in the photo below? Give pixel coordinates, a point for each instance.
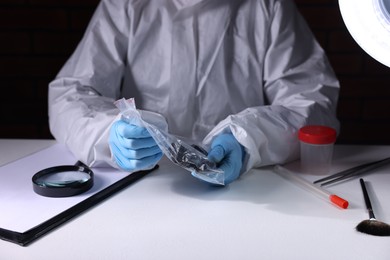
(132, 146)
(228, 153)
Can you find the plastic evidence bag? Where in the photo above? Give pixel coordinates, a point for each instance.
(191, 158)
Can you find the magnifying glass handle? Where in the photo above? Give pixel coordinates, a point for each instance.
(81, 164)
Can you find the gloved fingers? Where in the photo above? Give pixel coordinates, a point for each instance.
(130, 136)
(132, 147)
(133, 164)
(228, 153)
(227, 141)
(130, 131)
(231, 169)
(131, 143)
(138, 154)
(136, 143)
(216, 154)
(119, 158)
(148, 161)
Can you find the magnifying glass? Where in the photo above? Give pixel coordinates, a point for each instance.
(63, 181)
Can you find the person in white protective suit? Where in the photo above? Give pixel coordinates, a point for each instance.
(241, 75)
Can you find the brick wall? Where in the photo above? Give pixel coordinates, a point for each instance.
(37, 36)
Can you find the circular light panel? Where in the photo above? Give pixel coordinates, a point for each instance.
(368, 21)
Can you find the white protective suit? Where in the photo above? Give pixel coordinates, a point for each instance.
(251, 67)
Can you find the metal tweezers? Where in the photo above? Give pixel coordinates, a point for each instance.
(355, 171)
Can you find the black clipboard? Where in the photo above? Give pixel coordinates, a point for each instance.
(38, 231)
(16, 183)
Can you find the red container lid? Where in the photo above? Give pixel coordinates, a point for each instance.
(317, 134)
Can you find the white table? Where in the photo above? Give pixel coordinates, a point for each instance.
(170, 215)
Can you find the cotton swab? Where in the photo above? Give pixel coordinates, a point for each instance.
(317, 190)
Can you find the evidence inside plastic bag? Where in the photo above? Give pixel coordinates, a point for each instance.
(190, 157)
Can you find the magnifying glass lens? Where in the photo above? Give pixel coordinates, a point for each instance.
(63, 179)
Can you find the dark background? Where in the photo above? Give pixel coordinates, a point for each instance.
(37, 37)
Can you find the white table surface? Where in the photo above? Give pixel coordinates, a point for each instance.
(170, 215)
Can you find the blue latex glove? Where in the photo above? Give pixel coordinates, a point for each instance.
(228, 153)
(132, 146)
